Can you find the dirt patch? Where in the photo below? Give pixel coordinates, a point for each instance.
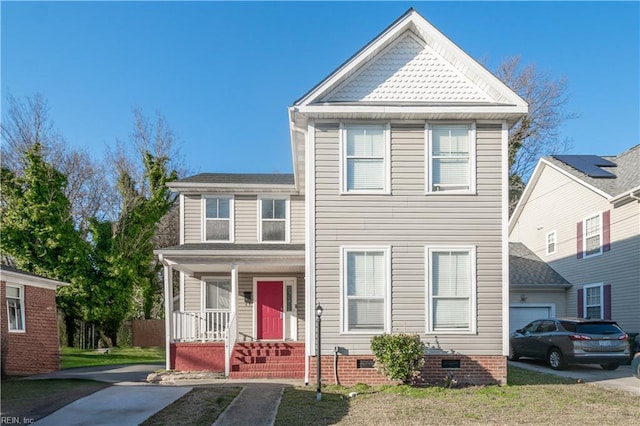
(201, 406)
(31, 400)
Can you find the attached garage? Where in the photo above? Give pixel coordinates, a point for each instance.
(522, 314)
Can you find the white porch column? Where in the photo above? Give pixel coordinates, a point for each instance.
(168, 312)
(234, 289)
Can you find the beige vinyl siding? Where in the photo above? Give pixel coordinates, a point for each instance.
(192, 218)
(559, 203)
(538, 296)
(246, 219)
(407, 221)
(297, 219)
(192, 294)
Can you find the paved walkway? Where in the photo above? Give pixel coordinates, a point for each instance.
(256, 405)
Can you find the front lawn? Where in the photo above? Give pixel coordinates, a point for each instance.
(73, 357)
(529, 398)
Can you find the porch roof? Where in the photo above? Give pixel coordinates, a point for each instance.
(202, 258)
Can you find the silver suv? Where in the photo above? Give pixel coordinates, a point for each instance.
(565, 341)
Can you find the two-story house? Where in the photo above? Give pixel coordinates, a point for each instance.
(580, 214)
(394, 220)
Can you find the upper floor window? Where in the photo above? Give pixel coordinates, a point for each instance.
(365, 161)
(451, 158)
(15, 307)
(451, 286)
(365, 288)
(218, 223)
(594, 235)
(274, 218)
(551, 242)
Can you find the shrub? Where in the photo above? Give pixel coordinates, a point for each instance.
(398, 356)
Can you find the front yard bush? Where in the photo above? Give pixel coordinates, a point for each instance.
(399, 356)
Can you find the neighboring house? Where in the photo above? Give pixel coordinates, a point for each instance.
(394, 220)
(30, 341)
(536, 290)
(581, 215)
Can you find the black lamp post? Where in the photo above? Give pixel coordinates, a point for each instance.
(318, 350)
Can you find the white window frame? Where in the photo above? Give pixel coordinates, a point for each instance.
(203, 292)
(554, 236)
(471, 127)
(344, 303)
(205, 219)
(599, 234)
(429, 250)
(344, 189)
(20, 300)
(287, 219)
(600, 286)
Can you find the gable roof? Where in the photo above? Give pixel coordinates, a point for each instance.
(268, 182)
(528, 270)
(612, 177)
(12, 275)
(412, 64)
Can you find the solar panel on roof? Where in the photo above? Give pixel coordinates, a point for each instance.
(590, 165)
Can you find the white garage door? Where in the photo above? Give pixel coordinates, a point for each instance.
(519, 316)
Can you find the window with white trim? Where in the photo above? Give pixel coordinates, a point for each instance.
(217, 294)
(365, 161)
(592, 235)
(593, 301)
(218, 223)
(15, 308)
(451, 287)
(451, 158)
(365, 288)
(274, 218)
(551, 242)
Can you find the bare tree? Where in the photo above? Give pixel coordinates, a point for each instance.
(536, 134)
(26, 123)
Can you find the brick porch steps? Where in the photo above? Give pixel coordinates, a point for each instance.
(268, 360)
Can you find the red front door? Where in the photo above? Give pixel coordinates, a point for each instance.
(269, 310)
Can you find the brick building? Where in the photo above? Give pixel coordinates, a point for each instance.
(30, 342)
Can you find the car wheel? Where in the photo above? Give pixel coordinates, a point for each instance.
(555, 359)
(610, 366)
(513, 355)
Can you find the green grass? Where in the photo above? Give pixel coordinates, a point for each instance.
(73, 357)
(528, 398)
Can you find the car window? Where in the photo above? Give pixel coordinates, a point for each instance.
(598, 328)
(569, 326)
(531, 327)
(547, 327)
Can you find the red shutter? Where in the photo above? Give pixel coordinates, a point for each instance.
(606, 230)
(606, 292)
(579, 241)
(580, 303)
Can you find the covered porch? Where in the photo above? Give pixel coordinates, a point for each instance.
(234, 306)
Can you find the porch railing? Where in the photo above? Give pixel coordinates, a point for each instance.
(229, 343)
(203, 326)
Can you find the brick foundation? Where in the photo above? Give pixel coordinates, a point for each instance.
(473, 370)
(37, 350)
(196, 356)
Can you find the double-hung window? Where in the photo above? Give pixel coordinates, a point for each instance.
(218, 222)
(593, 301)
(217, 294)
(365, 290)
(551, 242)
(451, 158)
(592, 235)
(274, 216)
(365, 161)
(451, 287)
(15, 308)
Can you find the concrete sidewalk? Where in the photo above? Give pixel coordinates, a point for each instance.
(255, 405)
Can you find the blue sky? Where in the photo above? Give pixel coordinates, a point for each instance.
(224, 73)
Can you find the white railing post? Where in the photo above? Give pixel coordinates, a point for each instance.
(168, 308)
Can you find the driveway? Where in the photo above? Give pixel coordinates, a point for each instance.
(620, 379)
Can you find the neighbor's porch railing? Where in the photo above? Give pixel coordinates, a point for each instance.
(203, 326)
